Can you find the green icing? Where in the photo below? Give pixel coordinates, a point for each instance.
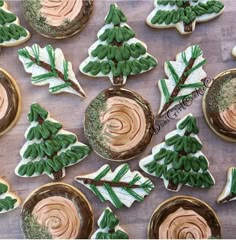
(109, 221)
(6, 18)
(7, 203)
(33, 230)
(12, 31)
(1, 3)
(3, 188)
(186, 14)
(115, 15)
(233, 185)
(36, 113)
(190, 124)
(124, 68)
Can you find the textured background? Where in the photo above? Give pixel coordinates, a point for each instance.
(216, 38)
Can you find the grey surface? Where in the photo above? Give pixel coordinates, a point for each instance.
(216, 38)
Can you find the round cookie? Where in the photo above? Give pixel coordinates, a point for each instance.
(118, 124)
(57, 19)
(56, 211)
(219, 105)
(10, 102)
(184, 217)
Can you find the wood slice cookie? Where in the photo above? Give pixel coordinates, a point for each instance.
(56, 211)
(219, 105)
(57, 19)
(184, 217)
(10, 102)
(118, 124)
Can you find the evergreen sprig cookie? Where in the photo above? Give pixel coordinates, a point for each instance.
(229, 192)
(121, 187)
(185, 75)
(8, 200)
(117, 54)
(178, 160)
(183, 14)
(109, 227)
(49, 149)
(11, 32)
(49, 66)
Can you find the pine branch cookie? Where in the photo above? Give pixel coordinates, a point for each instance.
(109, 227)
(8, 200)
(121, 187)
(11, 32)
(178, 160)
(183, 14)
(49, 149)
(229, 192)
(185, 75)
(117, 54)
(48, 66)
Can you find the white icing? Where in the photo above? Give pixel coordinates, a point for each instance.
(180, 25)
(158, 147)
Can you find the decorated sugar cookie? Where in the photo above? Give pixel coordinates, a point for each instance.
(183, 14)
(185, 75)
(121, 187)
(10, 102)
(118, 124)
(57, 19)
(48, 66)
(8, 200)
(184, 217)
(219, 105)
(117, 54)
(56, 211)
(229, 192)
(109, 227)
(49, 149)
(11, 32)
(179, 160)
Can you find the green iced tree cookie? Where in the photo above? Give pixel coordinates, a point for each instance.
(8, 200)
(183, 14)
(178, 160)
(49, 149)
(11, 32)
(117, 54)
(109, 227)
(121, 187)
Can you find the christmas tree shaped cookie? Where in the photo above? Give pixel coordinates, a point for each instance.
(183, 14)
(117, 54)
(185, 75)
(229, 192)
(109, 227)
(121, 187)
(178, 160)
(8, 200)
(11, 32)
(49, 149)
(49, 66)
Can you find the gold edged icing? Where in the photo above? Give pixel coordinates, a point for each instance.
(204, 108)
(84, 209)
(13, 82)
(177, 202)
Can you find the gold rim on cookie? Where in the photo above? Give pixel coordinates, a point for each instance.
(57, 19)
(10, 102)
(118, 124)
(219, 105)
(184, 217)
(56, 211)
